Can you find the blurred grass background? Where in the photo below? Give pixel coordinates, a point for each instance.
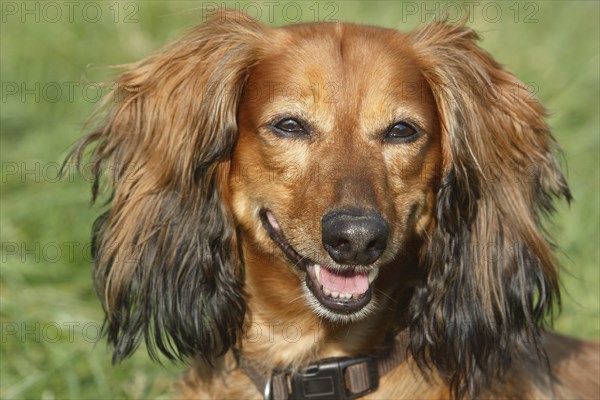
(49, 62)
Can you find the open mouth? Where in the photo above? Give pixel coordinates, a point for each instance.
(342, 291)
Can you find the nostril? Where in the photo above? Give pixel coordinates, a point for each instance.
(341, 245)
(373, 245)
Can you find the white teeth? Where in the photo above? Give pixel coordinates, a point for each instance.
(336, 295)
(373, 275)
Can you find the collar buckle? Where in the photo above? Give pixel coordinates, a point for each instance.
(327, 379)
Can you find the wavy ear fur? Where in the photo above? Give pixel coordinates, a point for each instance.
(491, 274)
(166, 257)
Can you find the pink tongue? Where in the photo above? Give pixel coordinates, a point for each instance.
(353, 283)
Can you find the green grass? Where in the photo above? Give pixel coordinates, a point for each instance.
(47, 350)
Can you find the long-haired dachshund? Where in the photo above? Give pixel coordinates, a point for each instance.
(330, 211)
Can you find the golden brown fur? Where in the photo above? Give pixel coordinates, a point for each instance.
(184, 262)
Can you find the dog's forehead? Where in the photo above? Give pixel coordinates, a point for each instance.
(332, 71)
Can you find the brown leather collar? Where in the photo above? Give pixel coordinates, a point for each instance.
(329, 378)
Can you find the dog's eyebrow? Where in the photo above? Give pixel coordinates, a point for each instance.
(296, 113)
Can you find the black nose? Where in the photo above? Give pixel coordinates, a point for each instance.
(354, 236)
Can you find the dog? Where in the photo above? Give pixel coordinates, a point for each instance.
(332, 211)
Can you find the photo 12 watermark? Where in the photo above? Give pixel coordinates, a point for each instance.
(52, 12)
(469, 11)
(274, 11)
(50, 332)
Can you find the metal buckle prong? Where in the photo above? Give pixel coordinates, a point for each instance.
(267, 390)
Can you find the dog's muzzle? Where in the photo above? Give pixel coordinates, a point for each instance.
(343, 289)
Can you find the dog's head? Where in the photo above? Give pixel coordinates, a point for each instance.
(335, 163)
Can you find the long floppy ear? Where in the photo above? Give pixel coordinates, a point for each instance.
(491, 274)
(166, 257)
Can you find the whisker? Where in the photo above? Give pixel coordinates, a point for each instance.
(296, 299)
(386, 295)
(302, 258)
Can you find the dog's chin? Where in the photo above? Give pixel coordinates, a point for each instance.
(340, 293)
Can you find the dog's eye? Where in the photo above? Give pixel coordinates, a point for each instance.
(289, 127)
(401, 132)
